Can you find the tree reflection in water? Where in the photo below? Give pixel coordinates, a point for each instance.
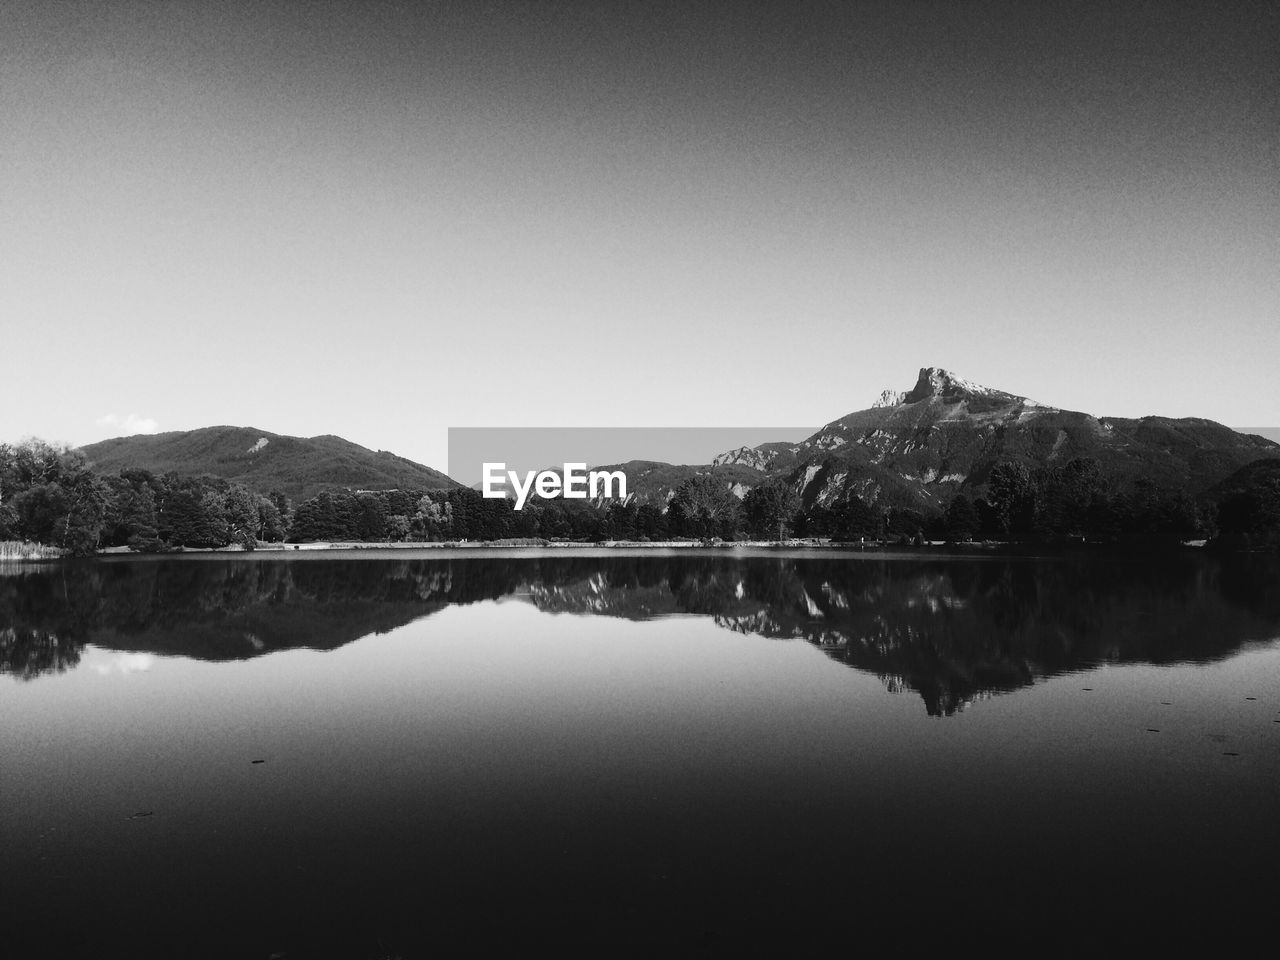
(952, 630)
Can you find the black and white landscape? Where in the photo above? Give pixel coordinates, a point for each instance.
(948, 460)
(988, 662)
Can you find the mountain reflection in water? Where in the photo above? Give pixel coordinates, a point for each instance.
(951, 630)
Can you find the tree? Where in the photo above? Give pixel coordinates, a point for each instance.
(272, 526)
(770, 508)
(650, 523)
(370, 517)
(194, 515)
(240, 508)
(82, 529)
(1012, 497)
(317, 519)
(706, 507)
(8, 473)
(1152, 513)
(1250, 519)
(853, 519)
(431, 520)
(34, 462)
(38, 510)
(621, 520)
(398, 527)
(961, 522)
(1082, 484)
(131, 515)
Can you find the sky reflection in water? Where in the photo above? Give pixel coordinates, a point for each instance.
(721, 751)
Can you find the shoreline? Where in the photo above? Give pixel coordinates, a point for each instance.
(537, 544)
(528, 547)
(929, 548)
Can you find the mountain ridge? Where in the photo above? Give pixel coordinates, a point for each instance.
(913, 449)
(299, 467)
(917, 449)
(945, 435)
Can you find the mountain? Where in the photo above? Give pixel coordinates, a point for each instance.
(943, 436)
(757, 458)
(653, 482)
(300, 467)
(911, 449)
(918, 448)
(1251, 476)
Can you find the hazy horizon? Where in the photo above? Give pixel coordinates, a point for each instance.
(382, 221)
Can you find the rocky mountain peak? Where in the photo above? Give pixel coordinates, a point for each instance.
(945, 385)
(888, 398)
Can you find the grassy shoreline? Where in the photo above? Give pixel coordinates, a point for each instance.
(26, 550)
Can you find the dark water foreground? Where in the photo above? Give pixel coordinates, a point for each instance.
(653, 754)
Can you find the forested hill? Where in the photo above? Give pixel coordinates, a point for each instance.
(299, 467)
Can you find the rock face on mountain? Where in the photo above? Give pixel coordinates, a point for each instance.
(758, 458)
(918, 449)
(654, 482)
(299, 467)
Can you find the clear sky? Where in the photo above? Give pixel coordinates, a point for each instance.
(380, 220)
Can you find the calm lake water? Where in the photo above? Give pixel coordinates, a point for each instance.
(394, 754)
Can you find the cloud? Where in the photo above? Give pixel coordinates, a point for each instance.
(125, 663)
(129, 425)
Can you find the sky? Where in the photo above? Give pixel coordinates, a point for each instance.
(382, 220)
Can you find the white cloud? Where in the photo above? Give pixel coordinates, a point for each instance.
(125, 663)
(129, 425)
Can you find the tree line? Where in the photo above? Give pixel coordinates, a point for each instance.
(51, 495)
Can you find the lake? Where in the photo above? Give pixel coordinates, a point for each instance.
(393, 754)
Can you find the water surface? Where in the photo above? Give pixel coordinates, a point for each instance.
(685, 752)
